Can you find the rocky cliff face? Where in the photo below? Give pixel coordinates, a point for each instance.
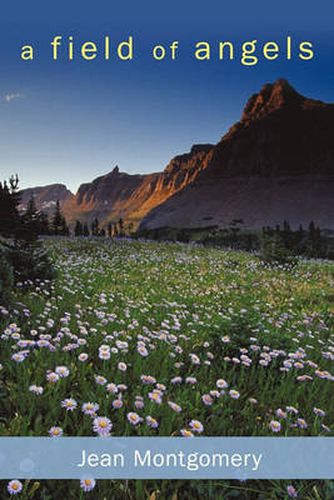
(276, 163)
(106, 197)
(131, 197)
(118, 194)
(46, 196)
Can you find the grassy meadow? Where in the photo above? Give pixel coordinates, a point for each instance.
(158, 339)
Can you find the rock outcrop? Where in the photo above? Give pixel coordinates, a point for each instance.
(131, 197)
(46, 196)
(276, 163)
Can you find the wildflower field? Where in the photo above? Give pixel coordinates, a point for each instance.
(159, 339)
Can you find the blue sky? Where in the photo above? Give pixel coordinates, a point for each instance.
(72, 121)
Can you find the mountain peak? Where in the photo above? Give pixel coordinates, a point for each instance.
(283, 87)
(272, 97)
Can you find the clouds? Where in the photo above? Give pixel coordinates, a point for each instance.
(12, 96)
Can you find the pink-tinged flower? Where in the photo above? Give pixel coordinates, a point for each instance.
(207, 399)
(87, 484)
(319, 412)
(280, 413)
(18, 357)
(69, 404)
(191, 380)
(83, 357)
(122, 387)
(134, 418)
(36, 389)
(302, 423)
(156, 397)
(148, 379)
(102, 426)
(304, 378)
(291, 491)
(62, 371)
(325, 428)
(152, 422)
(275, 426)
(323, 374)
(122, 366)
(142, 351)
(176, 380)
(100, 380)
(175, 407)
(195, 359)
(196, 426)
(234, 394)
(221, 383)
(117, 403)
(112, 388)
(52, 377)
(186, 433)
(104, 352)
(56, 432)
(14, 487)
(90, 409)
(291, 409)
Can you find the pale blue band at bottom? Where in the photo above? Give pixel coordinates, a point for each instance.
(167, 458)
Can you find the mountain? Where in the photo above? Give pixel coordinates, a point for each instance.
(118, 194)
(276, 163)
(131, 197)
(45, 196)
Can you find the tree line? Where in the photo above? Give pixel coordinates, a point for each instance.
(112, 230)
(39, 222)
(22, 257)
(278, 242)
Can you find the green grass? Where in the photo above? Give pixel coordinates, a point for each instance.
(256, 327)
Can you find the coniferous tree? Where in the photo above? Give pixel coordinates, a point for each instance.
(121, 227)
(65, 230)
(34, 222)
(22, 256)
(310, 240)
(30, 221)
(286, 226)
(59, 226)
(10, 223)
(57, 221)
(44, 226)
(130, 228)
(78, 229)
(85, 230)
(95, 227)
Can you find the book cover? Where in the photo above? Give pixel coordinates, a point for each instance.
(166, 250)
